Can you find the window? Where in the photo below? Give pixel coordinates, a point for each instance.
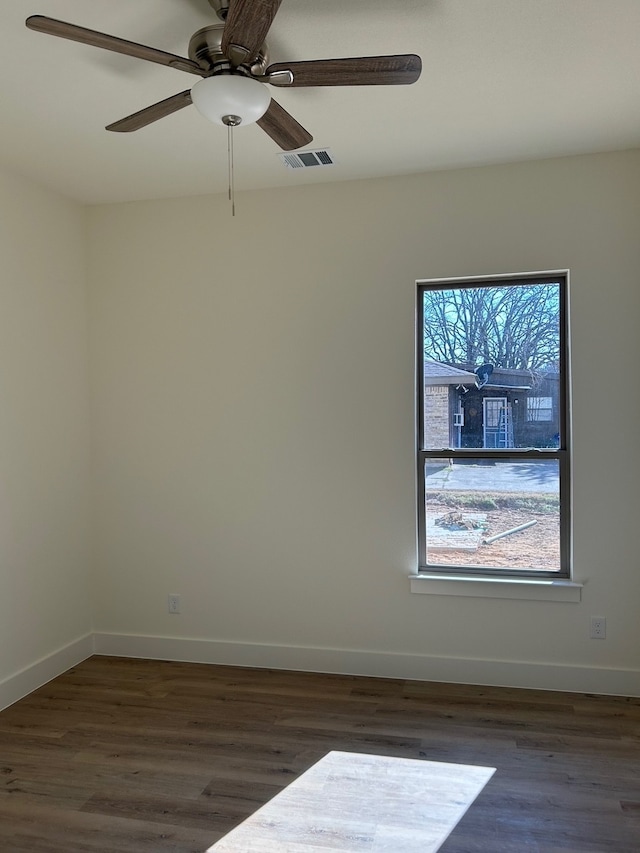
(539, 408)
(493, 455)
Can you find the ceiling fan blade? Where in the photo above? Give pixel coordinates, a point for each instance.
(152, 113)
(246, 27)
(283, 128)
(358, 71)
(52, 27)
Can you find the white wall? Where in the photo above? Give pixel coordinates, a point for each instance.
(253, 411)
(44, 428)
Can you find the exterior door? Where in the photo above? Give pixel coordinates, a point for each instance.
(497, 429)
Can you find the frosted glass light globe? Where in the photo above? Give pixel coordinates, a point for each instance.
(230, 95)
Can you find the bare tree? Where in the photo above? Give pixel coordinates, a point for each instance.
(510, 326)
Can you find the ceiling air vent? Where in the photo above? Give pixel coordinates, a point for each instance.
(306, 159)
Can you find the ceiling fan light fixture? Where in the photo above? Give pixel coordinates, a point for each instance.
(224, 95)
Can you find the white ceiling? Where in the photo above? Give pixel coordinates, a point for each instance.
(502, 80)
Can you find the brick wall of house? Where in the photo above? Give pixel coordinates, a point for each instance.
(436, 415)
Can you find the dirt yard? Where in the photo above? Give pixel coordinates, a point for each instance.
(536, 547)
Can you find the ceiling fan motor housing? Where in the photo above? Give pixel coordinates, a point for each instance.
(205, 48)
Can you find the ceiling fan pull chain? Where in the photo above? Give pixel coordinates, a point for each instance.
(231, 122)
(233, 177)
(230, 159)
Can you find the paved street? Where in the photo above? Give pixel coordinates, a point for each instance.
(526, 476)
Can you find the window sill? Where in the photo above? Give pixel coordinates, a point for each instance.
(529, 589)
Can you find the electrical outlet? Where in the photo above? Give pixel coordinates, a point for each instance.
(598, 627)
(173, 604)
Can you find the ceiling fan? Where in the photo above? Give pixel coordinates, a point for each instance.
(232, 60)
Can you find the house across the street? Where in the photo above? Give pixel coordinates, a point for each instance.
(490, 407)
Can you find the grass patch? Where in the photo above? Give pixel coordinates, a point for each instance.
(543, 504)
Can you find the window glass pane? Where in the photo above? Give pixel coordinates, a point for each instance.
(491, 367)
(487, 513)
(540, 408)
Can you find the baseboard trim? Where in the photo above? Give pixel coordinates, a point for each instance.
(539, 676)
(27, 680)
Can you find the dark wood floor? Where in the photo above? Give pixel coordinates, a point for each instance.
(122, 755)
